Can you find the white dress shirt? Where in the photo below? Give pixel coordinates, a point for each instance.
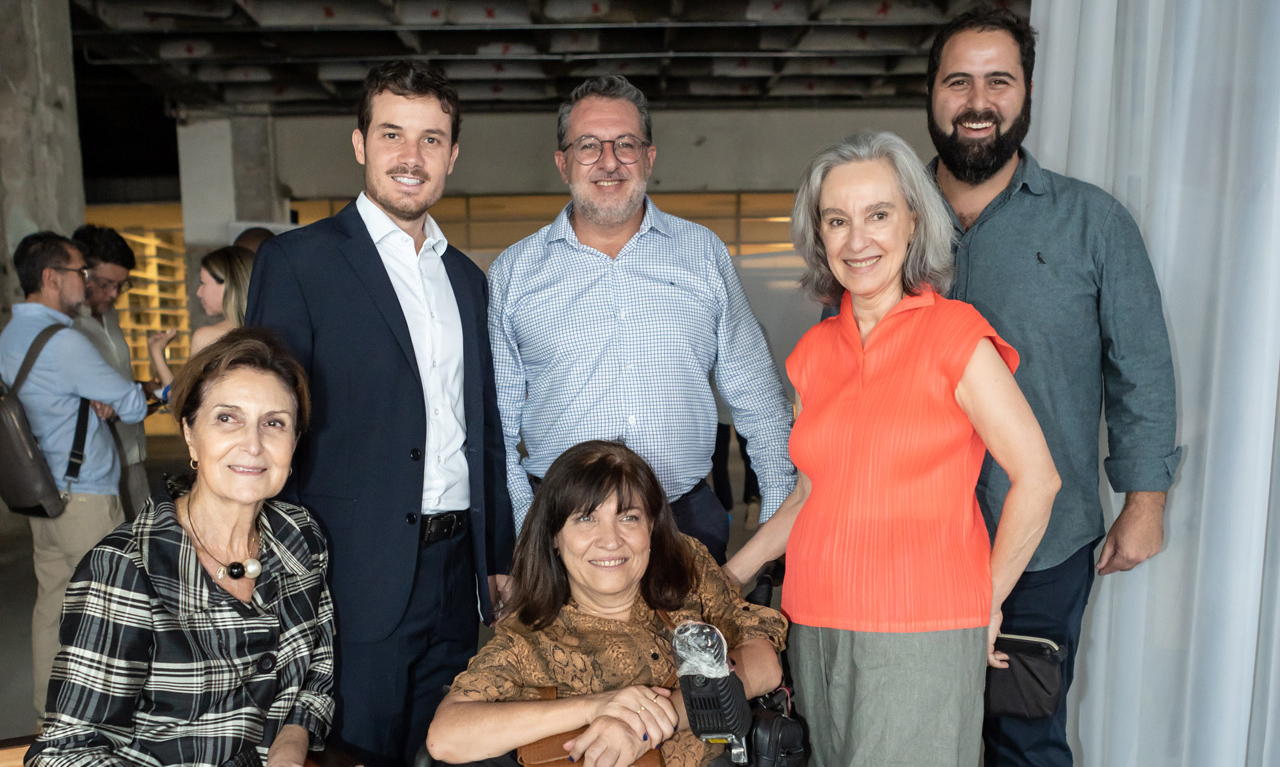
(431, 312)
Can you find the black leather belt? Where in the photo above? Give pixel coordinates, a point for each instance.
(441, 527)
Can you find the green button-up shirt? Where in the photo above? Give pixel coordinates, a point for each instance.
(1059, 268)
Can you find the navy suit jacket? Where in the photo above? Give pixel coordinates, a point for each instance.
(324, 290)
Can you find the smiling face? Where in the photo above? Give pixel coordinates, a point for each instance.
(980, 109)
(243, 437)
(607, 194)
(210, 293)
(406, 155)
(605, 553)
(865, 226)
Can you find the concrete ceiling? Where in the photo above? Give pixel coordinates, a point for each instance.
(310, 56)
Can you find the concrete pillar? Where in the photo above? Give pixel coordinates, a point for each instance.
(41, 181)
(227, 174)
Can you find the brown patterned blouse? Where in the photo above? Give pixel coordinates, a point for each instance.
(580, 654)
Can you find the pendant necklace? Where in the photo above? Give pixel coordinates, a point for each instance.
(250, 568)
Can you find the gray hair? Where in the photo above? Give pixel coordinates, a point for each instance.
(607, 87)
(929, 260)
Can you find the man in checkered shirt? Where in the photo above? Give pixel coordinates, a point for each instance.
(607, 323)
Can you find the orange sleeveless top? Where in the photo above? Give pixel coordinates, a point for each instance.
(891, 537)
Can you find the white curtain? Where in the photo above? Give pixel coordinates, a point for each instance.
(1174, 107)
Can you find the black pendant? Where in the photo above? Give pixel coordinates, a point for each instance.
(236, 570)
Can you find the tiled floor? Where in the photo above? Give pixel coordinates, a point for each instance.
(18, 588)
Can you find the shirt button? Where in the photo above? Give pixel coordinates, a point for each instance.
(631, 420)
(436, 411)
(266, 663)
(435, 362)
(439, 459)
(415, 454)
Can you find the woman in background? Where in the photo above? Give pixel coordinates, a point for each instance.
(224, 290)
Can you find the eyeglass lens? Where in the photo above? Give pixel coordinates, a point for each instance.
(588, 149)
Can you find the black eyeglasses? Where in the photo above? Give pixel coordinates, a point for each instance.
(588, 150)
(84, 271)
(121, 287)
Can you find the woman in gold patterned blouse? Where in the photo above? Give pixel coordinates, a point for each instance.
(601, 577)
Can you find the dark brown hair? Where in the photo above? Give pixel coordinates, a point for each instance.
(406, 77)
(253, 348)
(37, 252)
(985, 19)
(581, 479)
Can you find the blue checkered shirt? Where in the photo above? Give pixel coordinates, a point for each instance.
(591, 347)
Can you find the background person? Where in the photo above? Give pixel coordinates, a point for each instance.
(53, 276)
(223, 291)
(202, 633)
(891, 575)
(110, 259)
(601, 577)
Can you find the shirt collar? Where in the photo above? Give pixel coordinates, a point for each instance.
(41, 311)
(170, 560)
(1028, 173)
(380, 226)
(654, 219)
(926, 297)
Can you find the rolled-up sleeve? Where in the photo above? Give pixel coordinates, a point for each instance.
(1137, 367)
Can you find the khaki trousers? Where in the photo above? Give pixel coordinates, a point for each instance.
(59, 545)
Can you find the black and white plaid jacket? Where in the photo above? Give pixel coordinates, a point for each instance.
(159, 666)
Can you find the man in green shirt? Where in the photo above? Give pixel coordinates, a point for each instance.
(1059, 268)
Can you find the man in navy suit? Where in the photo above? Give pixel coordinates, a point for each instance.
(404, 465)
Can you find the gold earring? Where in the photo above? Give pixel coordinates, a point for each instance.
(195, 465)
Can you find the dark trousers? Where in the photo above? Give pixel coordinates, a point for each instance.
(699, 514)
(1050, 604)
(388, 690)
(720, 470)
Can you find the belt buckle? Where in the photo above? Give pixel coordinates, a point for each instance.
(440, 527)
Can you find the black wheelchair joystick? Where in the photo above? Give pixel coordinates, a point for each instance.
(714, 699)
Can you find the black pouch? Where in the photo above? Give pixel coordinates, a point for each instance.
(1031, 688)
(777, 740)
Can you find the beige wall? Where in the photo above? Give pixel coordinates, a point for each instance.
(712, 150)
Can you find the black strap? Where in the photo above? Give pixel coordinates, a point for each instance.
(76, 459)
(29, 361)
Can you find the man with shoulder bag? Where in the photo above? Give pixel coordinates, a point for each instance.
(64, 381)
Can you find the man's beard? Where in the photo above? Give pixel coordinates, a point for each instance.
(606, 217)
(973, 162)
(404, 209)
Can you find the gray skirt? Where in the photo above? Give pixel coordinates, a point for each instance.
(890, 699)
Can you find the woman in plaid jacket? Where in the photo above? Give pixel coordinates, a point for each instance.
(202, 633)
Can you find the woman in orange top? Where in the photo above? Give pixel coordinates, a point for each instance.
(893, 587)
